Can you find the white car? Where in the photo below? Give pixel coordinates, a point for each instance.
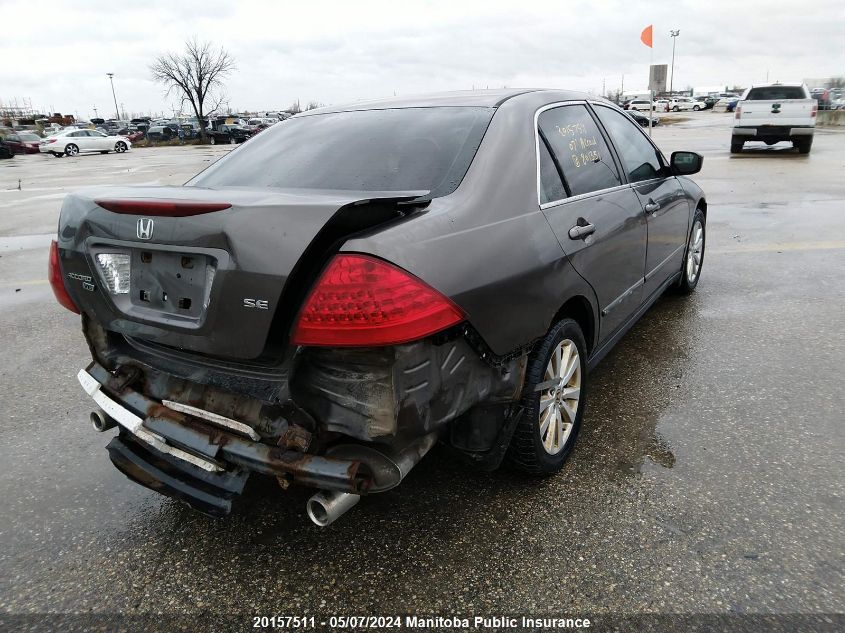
(661, 105)
(686, 103)
(643, 105)
(72, 142)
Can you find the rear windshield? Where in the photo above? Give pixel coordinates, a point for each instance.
(770, 93)
(368, 150)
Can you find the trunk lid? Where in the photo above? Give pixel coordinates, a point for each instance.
(217, 282)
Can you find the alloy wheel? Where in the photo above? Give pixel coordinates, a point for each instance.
(695, 251)
(559, 403)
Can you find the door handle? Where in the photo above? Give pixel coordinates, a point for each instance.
(579, 231)
(651, 206)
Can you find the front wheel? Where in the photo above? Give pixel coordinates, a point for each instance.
(553, 401)
(232, 140)
(120, 147)
(696, 108)
(676, 109)
(71, 150)
(212, 141)
(694, 259)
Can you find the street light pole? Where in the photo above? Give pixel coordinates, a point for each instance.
(673, 35)
(116, 110)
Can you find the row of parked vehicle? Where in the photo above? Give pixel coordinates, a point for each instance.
(118, 136)
(684, 104)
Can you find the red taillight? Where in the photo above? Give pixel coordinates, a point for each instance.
(362, 301)
(737, 111)
(815, 109)
(57, 282)
(157, 208)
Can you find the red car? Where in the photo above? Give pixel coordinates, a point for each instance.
(23, 142)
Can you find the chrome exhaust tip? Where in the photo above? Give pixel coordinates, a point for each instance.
(326, 506)
(102, 422)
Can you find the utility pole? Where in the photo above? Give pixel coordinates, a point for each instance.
(674, 36)
(96, 116)
(116, 110)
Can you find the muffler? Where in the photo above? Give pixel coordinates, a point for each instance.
(102, 421)
(327, 505)
(387, 467)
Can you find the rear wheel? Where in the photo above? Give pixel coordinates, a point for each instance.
(803, 145)
(736, 145)
(694, 259)
(71, 150)
(232, 140)
(676, 109)
(212, 141)
(553, 401)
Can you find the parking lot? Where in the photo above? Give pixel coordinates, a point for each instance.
(709, 477)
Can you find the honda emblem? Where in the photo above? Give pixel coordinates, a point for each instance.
(144, 229)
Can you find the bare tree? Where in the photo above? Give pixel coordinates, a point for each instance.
(294, 107)
(196, 75)
(313, 105)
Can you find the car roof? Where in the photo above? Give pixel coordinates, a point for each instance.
(465, 98)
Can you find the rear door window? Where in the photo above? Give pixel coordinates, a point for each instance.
(580, 150)
(551, 185)
(639, 157)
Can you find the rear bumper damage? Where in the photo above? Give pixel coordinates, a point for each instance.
(356, 422)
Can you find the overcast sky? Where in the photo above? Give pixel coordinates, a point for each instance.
(57, 53)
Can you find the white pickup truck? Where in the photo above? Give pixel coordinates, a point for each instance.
(773, 113)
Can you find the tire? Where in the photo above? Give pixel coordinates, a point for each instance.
(232, 140)
(695, 108)
(212, 141)
(120, 147)
(693, 255)
(676, 109)
(803, 145)
(736, 145)
(71, 149)
(534, 450)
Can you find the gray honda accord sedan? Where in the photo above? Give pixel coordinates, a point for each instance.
(352, 286)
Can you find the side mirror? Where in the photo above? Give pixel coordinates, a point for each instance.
(686, 163)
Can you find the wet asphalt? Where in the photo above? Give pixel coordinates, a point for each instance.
(709, 476)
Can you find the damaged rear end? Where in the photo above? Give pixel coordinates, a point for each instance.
(230, 337)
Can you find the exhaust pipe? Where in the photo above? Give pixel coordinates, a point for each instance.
(101, 421)
(388, 469)
(327, 505)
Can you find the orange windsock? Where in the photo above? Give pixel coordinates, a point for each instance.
(647, 36)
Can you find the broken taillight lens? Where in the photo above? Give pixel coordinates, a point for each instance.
(115, 268)
(362, 301)
(162, 208)
(57, 282)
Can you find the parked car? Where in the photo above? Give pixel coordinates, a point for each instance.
(23, 142)
(162, 133)
(326, 303)
(72, 142)
(822, 96)
(641, 104)
(661, 105)
(775, 112)
(6, 150)
(228, 134)
(726, 104)
(678, 104)
(642, 119)
(135, 136)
